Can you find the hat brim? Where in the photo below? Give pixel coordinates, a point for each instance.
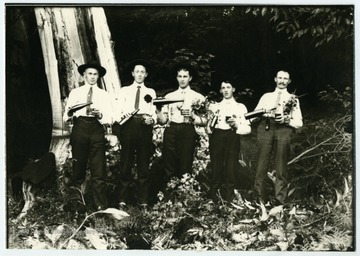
(100, 69)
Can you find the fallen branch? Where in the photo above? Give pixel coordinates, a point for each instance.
(117, 214)
(294, 160)
(78, 229)
(324, 153)
(312, 223)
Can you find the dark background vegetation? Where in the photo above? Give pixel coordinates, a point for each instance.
(248, 46)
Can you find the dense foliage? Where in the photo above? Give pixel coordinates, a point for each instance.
(319, 215)
(321, 24)
(247, 44)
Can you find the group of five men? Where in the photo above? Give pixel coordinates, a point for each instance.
(226, 120)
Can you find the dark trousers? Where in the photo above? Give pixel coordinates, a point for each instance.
(136, 140)
(178, 149)
(88, 146)
(224, 146)
(276, 140)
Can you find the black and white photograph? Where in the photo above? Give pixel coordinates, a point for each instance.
(152, 127)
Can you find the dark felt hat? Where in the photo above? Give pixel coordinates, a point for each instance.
(93, 64)
(185, 66)
(141, 62)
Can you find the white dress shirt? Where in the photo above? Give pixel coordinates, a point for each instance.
(269, 101)
(229, 107)
(174, 110)
(125, 102)
(100, 100)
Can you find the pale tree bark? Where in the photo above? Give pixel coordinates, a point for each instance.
(64, 38)
(72, 36)
(51, 64)
(105, 50)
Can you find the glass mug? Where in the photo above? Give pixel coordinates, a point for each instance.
(277, 115)
(183, 110)
(89, 111)
(186, 117)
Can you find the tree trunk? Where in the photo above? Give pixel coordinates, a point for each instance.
(50, 61)
(105, 50)
(71, 37)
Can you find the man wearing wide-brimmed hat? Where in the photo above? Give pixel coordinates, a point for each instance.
(135, 135)
(180, 135)
(89, 108)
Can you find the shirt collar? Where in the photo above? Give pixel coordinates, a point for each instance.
(135, 84)
(86, 85)
(228, 101)
(277, 90)
(187, 89)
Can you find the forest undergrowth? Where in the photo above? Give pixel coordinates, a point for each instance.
(319, 215)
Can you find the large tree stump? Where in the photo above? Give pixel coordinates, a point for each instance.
(60, 146)
(70, 37)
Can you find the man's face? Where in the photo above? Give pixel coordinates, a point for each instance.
(282, 79)
(139, 73)
(183, 78)
(227, 90)
(91, 76)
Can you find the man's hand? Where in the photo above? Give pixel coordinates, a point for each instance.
(125, 116)
(148, 120)
(232, 122)
(279, 118)
(186, 112)
(96, 112)
(282, 119)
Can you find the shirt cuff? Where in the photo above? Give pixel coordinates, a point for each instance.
(295, 123)
(243, 129)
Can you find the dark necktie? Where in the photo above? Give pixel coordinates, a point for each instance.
(137, 98)
(89, 99)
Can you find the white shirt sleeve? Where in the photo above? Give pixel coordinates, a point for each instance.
(243, 124)
(152, 106)
(296, 116)
(106, 108)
